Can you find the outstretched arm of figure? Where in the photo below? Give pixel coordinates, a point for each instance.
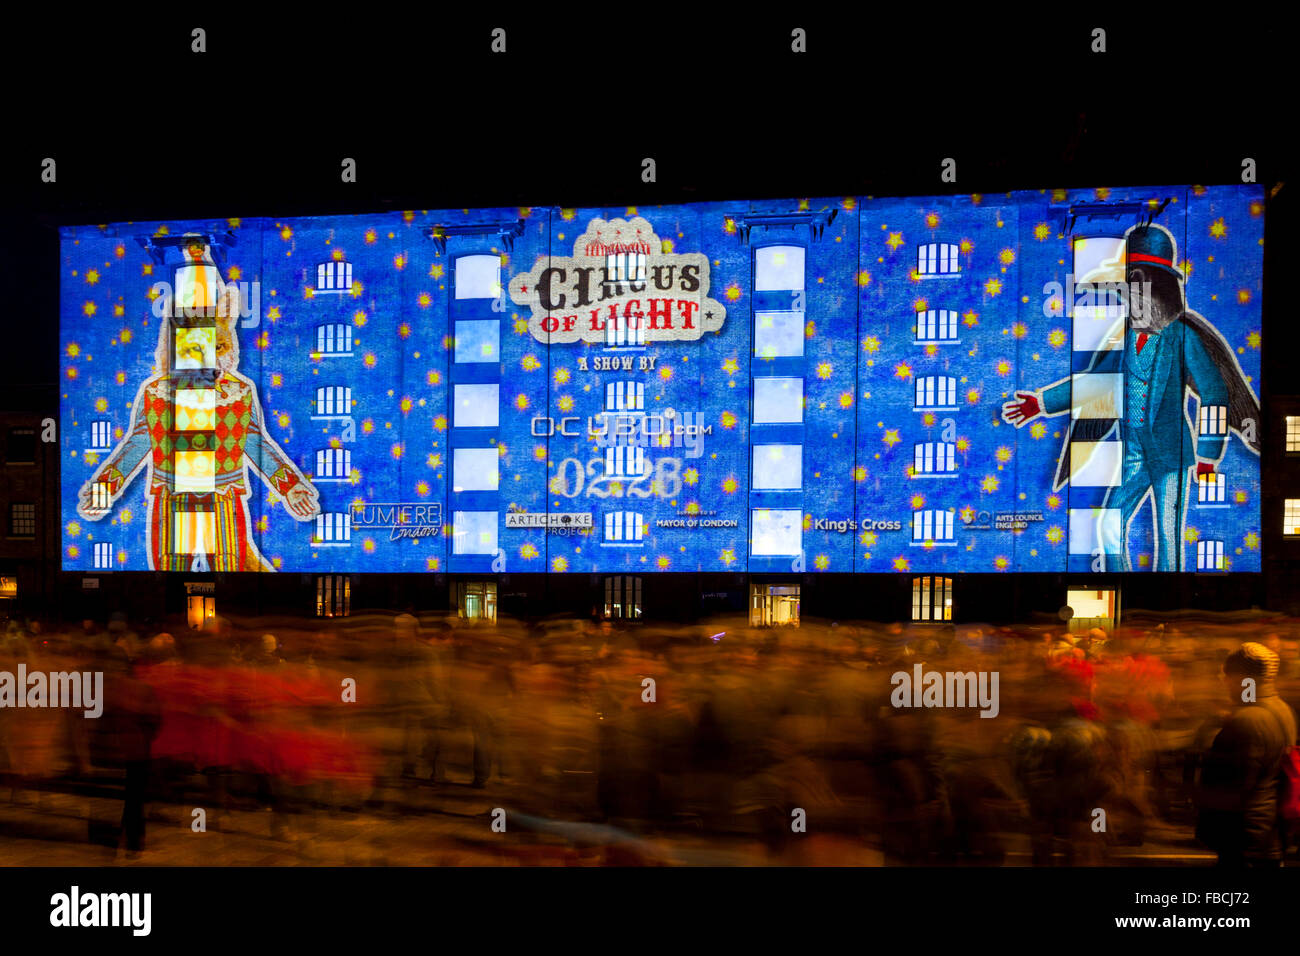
(119, 468)
(1212, 417)
(1053, 400)
(276, 468)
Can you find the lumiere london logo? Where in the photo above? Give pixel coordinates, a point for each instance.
(620, 287)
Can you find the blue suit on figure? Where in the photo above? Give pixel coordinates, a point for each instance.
(1168, 349)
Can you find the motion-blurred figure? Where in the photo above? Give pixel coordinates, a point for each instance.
(1237, 793)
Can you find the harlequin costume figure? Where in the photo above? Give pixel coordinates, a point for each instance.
(1169, 349)
(196, 429)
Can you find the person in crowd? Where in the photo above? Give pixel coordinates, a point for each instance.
(1237, 790)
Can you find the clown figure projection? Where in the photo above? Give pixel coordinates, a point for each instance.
(1168, 351)
(196, 429)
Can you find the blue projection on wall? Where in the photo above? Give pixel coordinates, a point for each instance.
(1043, 381)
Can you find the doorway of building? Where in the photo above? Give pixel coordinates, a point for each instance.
(1092, 608)
(774, 605)
(200, 608)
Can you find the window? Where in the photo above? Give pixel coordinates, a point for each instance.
(21, 449)
(624, 331)
(777, 468)
(475, 469)
(101, 434)
(936, 391)
(774, 605)
(776, 532)
(1293, 433)
(476, 600)
(622, 597)
(101, 496)
(22, 520)
(333, 595)
(195, 409)
(937, 259)
(194, 471)
(196, 347)
(624, 396)
(478, 340)
(103, 556)
(778, 401)
(1090, 605)
(625, 461)
(335, 339)
(932, 526)
(333, 529)
(778, 334)
(194, 532)
(931, 599)
(333, 464)
(625, 266)
(478, 277)
(1214, 419)
(334, 277)
(1291, 516)
(935, 458)
(474, 532)
(476, 406)
(624, 527)
(1210, 489)
(333, 401)
(1210, 556)
(197, 286)
(779, 269)
(936, 325)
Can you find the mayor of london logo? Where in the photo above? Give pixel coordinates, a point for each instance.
(620, 287)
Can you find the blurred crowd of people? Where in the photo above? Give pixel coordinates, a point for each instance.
(1102, 740)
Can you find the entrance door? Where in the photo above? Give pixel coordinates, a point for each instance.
(200, 608)
(774, 605)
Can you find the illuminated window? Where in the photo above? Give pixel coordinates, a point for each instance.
(478, 340)
(22, 520)
(935, 458)
(1293, 433)
(333, 401)
(624, 396)
(474, 532)
(932, 526)
(195, 409)
(101, 434)
(21, 447)
(475, 469)
(776, 532)
(936, 325)
(194, 471)
(624, 527)
(196, 347)
(777, 467)
(628, 266)
(624, 331)
(1214, 419)
(625, 461)
(194, 532)
(1210, 556)
(931, 599)
(778, 334)
(333, 529)
(333, 595)
(103, 556)
(937, 259)
(101, 495)
(476, 600)
(1291, 516)
(477, 406)
(197, 289)
(779, 269)
(333, 464)
(1211, 489)
(478, 277)
(774, 605)
(622, 597)
(334, 277)
(936, 391)
(334, 339)
(778, 400)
